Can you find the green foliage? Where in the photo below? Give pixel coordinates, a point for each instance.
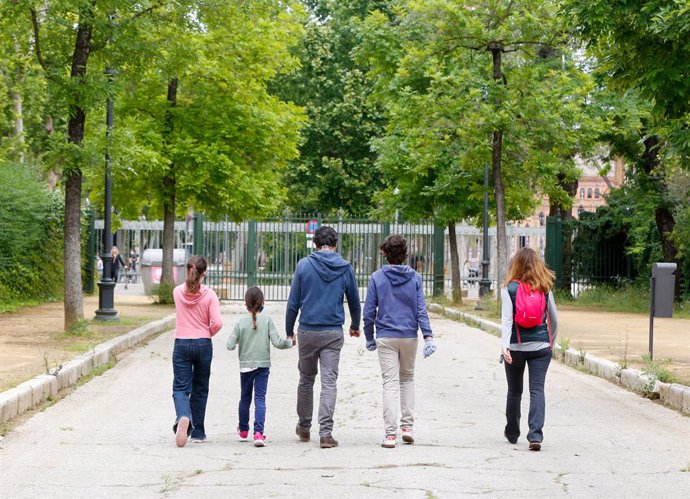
(30, 246)
(432, 71)
(336, 168)
(163, 294)
(658, 369)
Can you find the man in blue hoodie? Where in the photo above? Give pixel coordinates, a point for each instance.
(395, 307)
(321, 281)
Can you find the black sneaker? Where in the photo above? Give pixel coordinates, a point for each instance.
(535, 446)
(328, 442)
(302, 433)
(512, 440)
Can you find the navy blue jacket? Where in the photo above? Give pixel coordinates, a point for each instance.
(321, 281)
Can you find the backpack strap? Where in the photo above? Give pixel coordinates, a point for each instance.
(548, 320)
(512, 299)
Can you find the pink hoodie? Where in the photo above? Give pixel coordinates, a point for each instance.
(198, 314)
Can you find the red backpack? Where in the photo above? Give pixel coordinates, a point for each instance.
(529, 306)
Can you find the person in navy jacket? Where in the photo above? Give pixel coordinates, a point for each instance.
(395, 310)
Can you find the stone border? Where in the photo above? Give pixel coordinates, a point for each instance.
(23, 397)
(673, 395)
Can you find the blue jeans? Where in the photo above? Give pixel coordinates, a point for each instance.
(537, 364)
(192, 370)
(257, 381)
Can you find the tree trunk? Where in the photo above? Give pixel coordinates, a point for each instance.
(73, 300)
(566, 214)
(663, 216)
(169, 193)
(454, 265)
(496, 49)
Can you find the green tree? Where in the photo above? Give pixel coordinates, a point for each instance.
(639, 47)
(200, 131)
(336, 167)
(481, 82)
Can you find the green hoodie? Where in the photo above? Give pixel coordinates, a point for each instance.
(255, 349)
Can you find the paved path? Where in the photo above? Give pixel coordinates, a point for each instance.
(112, 437)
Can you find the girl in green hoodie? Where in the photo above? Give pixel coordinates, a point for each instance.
(254, 335)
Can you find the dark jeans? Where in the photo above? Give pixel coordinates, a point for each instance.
(256, 380)
(318, 348)
(192, 370)
(537, 364)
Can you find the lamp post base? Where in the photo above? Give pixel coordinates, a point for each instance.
(106, 294)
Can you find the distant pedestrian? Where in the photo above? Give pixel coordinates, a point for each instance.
(197, 314)
(117, 264)
(320, 283)
(133, 259)
(395, 309)
(527, 346)
(254, 334)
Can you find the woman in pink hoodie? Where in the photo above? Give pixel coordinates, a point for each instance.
(197, 311)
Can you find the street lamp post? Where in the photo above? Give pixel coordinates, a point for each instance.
(484, 282)
(106, 286)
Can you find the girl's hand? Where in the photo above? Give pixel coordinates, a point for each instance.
(506, 356)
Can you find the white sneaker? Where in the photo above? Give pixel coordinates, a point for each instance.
(389, 442)
(407, 435)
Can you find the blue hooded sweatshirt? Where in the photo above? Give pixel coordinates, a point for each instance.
(320, 282)
(395, 304)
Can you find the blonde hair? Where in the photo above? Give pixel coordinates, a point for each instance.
(527, 267)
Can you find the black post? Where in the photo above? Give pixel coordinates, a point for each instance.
(106, 286)
(651, 319)
(484, 282)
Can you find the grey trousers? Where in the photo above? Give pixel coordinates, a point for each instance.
(318, 348)
(397, 358)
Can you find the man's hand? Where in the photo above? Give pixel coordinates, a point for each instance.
(371, 345)
(293, 339)
(354, 333)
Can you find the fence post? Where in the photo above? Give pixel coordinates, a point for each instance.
(198, 246)
(89, 286)
(554, 247)
(439, 247)
(251, 254)
(385, 232)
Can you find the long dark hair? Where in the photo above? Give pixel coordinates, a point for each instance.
(254, 301)
(196, 266)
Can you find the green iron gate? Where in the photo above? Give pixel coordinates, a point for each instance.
(265, 253)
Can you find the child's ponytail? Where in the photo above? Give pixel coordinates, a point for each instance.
(254, 301)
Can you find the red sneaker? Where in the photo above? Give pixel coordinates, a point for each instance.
(259, 439)
(243, 434)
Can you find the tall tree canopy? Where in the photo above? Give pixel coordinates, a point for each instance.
(336, 168)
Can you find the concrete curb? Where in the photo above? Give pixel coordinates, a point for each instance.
(671, 395)
(23, 397)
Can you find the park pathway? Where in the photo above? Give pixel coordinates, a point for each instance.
(112, 437)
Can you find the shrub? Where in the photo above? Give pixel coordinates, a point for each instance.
(31, 256)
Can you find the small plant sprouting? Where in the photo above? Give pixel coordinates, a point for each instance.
(657, 369)
(563, 345)
(623, 362)
(581, 354)
(167, 483)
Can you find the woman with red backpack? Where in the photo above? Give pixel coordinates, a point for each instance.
(529, 325)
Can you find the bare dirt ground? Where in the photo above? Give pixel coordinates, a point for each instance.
(32, 339)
